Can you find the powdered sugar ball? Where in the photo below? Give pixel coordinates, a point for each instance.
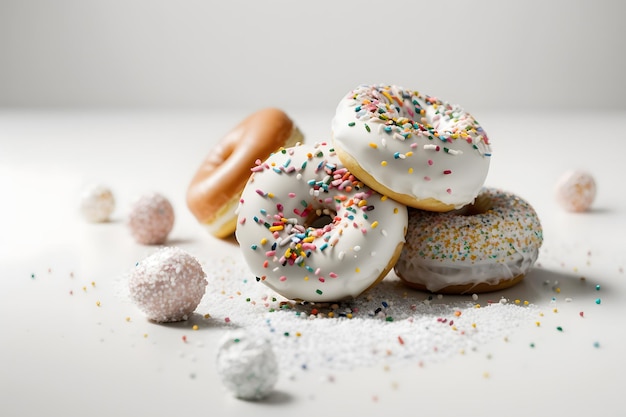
(575, 191)
(247, 365)
(151, 219)
(168, 285)
(97, 203)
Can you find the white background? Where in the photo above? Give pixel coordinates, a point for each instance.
(483, 54)
(134, 94)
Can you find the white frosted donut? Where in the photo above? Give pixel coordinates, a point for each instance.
(311, 231)
(417, 149)
(483, 247)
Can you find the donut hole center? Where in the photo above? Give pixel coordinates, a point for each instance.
(481, 205)
(320, 218)
(229, 151)
(222, 152)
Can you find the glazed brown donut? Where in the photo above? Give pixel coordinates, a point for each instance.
(214, 191)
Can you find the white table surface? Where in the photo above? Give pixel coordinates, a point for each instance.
(61, 354)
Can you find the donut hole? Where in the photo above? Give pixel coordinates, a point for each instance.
(227, 151)
(320, 218)
(221, 153)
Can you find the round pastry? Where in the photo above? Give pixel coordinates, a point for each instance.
(575, 191)
(168, 285)
(416, 149)
(214, 191)
(485, 246)
(97, 203)
(247, 365)
(151, 219)
(311, 231)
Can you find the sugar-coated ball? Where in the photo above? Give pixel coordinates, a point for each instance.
(168, 285)
(151, 219)
(247, 365)
(575, 191)
(97, 203)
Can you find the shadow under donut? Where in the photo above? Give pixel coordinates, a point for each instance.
(393, 298)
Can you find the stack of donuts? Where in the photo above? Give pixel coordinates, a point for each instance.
(398, 185)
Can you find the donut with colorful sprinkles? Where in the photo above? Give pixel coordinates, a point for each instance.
(311, 231)
(485, 246)
(414, 148)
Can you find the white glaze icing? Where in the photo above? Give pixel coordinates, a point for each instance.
(314, 262)
(413, 144)
(457, 248)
